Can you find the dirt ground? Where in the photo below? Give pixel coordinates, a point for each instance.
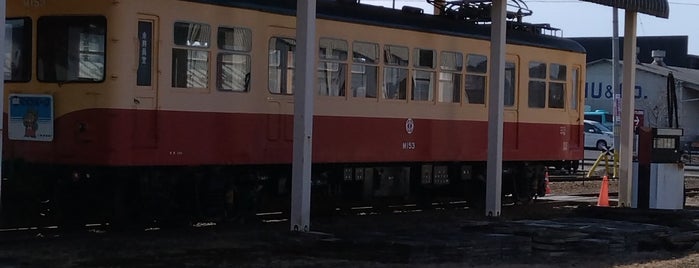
(406, 238)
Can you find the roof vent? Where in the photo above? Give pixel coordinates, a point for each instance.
(658, 57)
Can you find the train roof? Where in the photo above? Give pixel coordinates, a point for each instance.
(351, 11)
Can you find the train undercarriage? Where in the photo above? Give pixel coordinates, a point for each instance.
(42, 195)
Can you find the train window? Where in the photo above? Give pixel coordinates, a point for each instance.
(537, 94)
(558, 72)
(424, 58)
(363, 52)
(364, 70)
(18, 41)
(234, 64)
(557, 75)
(235, 39)
(556, 95)
(537, 70)
(332, 68)
(423, 84)
(395, 78)
(537, 85)
(394, 83)
(192, 34)
(423, 79)
(576, 89)
(510, 82)
(452, 61)
(476, 68)
(395, 55)
(477, 64)
(71, 48)
(451, 65)
(332, 49)
(281, 65)
(233, 72)
(190, 66)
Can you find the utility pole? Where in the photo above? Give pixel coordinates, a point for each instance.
(616, 105)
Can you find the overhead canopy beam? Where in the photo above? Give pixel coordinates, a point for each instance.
(658, 8)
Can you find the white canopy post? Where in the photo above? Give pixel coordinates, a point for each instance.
(627, 107)
(493, 202)
(303, 115)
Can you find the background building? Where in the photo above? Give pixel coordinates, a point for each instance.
(650, 92)
(676, 48)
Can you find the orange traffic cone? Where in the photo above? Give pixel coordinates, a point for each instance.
(603, 199)
(546, 180)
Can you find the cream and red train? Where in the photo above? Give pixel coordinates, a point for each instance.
(165, 109)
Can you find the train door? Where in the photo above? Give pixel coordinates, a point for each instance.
(574, 111)
(145, 101)
(511, 112)
(281, 65)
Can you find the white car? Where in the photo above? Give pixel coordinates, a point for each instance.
(597, 135)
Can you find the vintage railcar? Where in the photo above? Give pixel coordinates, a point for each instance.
(123, 110)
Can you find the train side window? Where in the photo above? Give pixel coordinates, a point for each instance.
(537, 85)
(557, 86)
(510, 83)
(576, 89)
(451, 65)
(332, 67)
(18, 52)
(281, 65)
(234, 62)
(423, 75)
(365, 57)
(476, 69)
(71, 48)
(396, 72)
(190, 64)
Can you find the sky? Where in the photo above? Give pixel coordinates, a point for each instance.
(576, 18)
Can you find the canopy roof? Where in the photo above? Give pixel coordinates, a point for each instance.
(658, 8)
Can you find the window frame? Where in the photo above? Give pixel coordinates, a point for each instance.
(538, 78)
(365, 65)
(69, 19)
(224, 51)
(558, 81)
(456, 71)
(402, 71)
(479, 73)
(25, 52)
(420, 72)
(286, 69)
(190, 59)
(337, 65)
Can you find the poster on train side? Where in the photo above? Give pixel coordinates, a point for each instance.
(30, 117)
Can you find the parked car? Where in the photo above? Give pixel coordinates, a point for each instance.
(601, 116)
(598, 136)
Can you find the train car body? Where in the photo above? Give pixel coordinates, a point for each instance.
(127, 108)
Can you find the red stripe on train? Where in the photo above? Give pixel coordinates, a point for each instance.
(128, 137)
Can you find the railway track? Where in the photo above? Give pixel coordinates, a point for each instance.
(275, 217)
